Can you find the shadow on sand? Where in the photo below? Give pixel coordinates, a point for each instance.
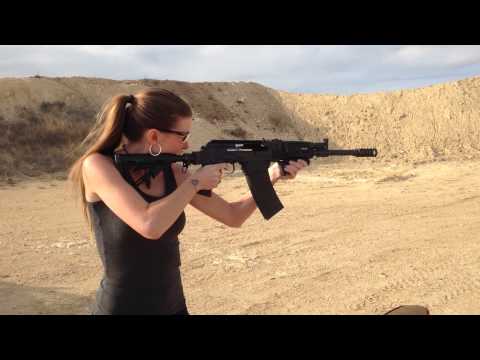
(18, 299)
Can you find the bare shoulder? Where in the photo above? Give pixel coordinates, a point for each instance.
(95, 167)
(96, 158)
(96, 163)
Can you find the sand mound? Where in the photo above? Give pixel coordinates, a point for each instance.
(432, 123)
(42, 119)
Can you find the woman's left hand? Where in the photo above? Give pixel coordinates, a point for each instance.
(291, 169)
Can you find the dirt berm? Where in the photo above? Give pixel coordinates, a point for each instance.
(42, 119)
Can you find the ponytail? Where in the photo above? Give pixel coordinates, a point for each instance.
(104, 138)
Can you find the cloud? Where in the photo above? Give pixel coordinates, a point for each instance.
(435, 56)
(312, 68)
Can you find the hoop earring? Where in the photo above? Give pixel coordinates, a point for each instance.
(159, 150)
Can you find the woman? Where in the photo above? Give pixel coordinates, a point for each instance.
(136, 220)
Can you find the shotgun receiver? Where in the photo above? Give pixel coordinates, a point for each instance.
(254, 156)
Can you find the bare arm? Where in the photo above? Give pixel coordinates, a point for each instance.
(150, 220)
(233, 214)
(215, 206)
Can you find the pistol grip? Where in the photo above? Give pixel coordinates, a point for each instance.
(283, 164)
(207, 193)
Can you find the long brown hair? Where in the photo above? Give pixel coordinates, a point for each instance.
(129, 116)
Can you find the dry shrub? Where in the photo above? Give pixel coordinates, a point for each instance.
(237, 132)
(47, 107)
(280, 122)
(33, 145)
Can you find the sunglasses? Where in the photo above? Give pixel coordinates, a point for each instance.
(183, 134)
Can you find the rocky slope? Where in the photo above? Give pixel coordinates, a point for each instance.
(42, 120)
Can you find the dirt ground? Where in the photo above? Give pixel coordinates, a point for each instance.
(351, 239)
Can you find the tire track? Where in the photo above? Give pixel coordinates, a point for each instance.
(445, 274)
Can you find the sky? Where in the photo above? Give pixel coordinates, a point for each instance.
(322, 69)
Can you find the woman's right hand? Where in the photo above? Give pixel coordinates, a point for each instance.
(208, 176)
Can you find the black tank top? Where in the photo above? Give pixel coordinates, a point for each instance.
(141, 276)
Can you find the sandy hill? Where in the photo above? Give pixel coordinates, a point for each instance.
(431, 123)
(43, 119)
